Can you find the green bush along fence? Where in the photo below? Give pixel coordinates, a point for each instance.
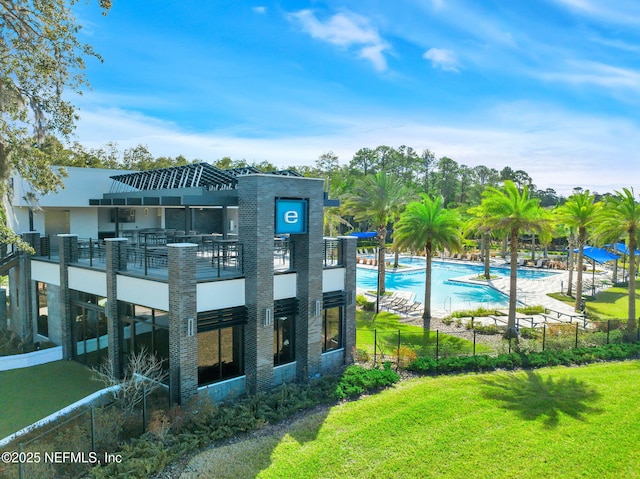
(402, 347)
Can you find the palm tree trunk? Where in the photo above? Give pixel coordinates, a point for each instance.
(396, 258)
(487, 255)
(581, 239)
(631, 323)
(426, 314)
(512, 332)
(533, 247)
(570, 268)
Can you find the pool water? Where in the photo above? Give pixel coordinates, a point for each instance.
(445, 294)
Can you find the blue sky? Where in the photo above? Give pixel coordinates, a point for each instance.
(548, 86)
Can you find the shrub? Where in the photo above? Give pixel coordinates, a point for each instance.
(364, 303)
(405, 355)
(489, 329)
(427, 365)
(362, 355)
(357, 380)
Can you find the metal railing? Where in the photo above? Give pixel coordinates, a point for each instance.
(215, 259)
(378, 345)
(331, 257)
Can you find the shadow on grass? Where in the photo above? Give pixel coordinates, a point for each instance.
(248, 456)
(533, 396)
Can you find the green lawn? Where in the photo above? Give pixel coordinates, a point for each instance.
(612, 303)
(387, 326)
(30, 394)
(579, 422)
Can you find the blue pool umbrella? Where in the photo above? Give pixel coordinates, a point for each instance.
(622, 248)
(364, 234)
(599, 255)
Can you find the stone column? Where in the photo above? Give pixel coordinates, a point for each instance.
(347, 258)
(183, 339)
(116, 260)
(68, 254)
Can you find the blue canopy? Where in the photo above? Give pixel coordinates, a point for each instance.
(364, 234)
(598, 254)
(622, 248)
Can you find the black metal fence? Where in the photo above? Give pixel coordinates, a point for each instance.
(401, 347)
(72, 445)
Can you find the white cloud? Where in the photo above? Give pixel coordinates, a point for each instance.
(623, 12)
(560, 150)
(594, 73)
(346, 30)
(260, 10)
(442, 58)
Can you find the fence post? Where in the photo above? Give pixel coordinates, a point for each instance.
(375, 347)
(437, 344)
(398, 362)
(544, 335)
(20, 463)
(576, 335)
(509, 344)
(93, 428)
(90, 252)
(474, 343)
(608, 328)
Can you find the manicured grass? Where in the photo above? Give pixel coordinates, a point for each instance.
(387, 325)
(577, 422)
(611, 303)
(30, 394)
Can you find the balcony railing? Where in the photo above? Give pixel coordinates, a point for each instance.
(215, 259)
(331, 257)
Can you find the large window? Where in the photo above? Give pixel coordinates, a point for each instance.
(220, 344)
(43, 310)
(332, 329)
(144, 328)
(89, 328)
(284, 339)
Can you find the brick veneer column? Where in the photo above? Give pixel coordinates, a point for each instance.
(347, 255)
(308, 253)
(256, 232)
(116, 260)
(68, 254)
(33, 238)
(183, 339)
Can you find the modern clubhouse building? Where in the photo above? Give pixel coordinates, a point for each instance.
(223, 274)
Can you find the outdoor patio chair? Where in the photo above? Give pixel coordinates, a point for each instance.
(412, 308)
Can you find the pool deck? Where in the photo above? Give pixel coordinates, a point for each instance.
(529, 291)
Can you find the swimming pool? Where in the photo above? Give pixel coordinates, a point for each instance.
(445, 294)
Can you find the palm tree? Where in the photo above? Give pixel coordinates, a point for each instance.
(376, 199)
(479, 222)
(620, 217)
(580, 211)
(511, 211)
(428, 225)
